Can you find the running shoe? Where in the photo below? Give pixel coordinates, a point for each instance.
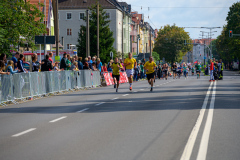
(151, 89)
(114, 85)
(117, 90)
(130, 88)
(154, 80)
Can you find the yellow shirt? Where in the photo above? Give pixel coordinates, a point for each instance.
(132, 61)
(116, 68)
(150, 67)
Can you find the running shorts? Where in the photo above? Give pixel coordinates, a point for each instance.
(150, 76)
(197, 71)
(174, 70)
(166, 71)
(116, 76)
(129, 72)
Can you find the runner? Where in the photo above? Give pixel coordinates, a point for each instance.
(185, 70)
(198, 69)
(211, 71)
(166, 70)
(129, 63)
(174, 69)
(116, 66)
(150, 71)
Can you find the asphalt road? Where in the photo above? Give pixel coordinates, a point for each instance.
(181, 119)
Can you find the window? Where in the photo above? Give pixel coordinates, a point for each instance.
(69, 46)
(69, 32)
(108, 15)
(69, 16)
(81, 16)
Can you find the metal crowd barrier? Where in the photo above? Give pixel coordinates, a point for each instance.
(34, 84)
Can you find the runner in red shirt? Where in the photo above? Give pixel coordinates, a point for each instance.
(211, 71)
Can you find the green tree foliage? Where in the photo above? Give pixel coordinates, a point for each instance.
(156, 56)
(170, 43)
(19, 18)
(229, 48)
(106, 39)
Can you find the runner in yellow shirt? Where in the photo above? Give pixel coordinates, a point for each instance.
(130, 63)
(150, 66)
(116, 66)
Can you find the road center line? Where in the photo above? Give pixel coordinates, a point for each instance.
(24, 132)
(58, 119)
(83, 110)
(100, 103)
(202, 153)
(192, 138)
(125, 95)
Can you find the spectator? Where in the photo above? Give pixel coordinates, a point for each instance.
(89, 62)
(80, 64)
(94, 59)
(136, 72)
(99, 65)
(141, 70)
(56, 67)
(47, 64)
(10, 67)
(73, 59)
(68, 63)
(85, 65)
(35, 64)
(105, 67)
(3, 57)
(109, 66)
(94, 66)
(63, 64)
(2, 68)
(15, 60)
(20, 64)
(50, 57)
(74, 66)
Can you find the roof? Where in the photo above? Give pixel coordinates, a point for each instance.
(36, 2)
(201, 41)
(85, 4)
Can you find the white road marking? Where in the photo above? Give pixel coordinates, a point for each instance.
(192, 138)
(24, 132)
(83, 110)
(125, 95)
(135, 91)
(58, 119)
(141, 89)
(202, 153)
(100, 103)
(115, 98)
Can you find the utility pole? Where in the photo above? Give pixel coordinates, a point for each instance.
(87, 35)
(56, 29)
(98, 29)
(150, 33)
(122, 34)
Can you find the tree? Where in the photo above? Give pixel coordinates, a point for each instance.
(106, 39)
(229, 48)
(19, 19)
(170, 43)
(156, 56)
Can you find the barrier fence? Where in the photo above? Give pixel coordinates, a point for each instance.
(34, 84)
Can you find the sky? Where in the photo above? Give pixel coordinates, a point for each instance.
(185, 13)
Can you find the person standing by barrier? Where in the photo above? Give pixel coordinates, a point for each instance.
(116, 66)
(99, 65)
(46, 64)
(68, 62)
(150, 66)
(141, 71)
(130, 63)
(20, 64)
(15, 60)
(80, 64)
(63, 62)
(2, 68)
(74, 66)
(105, 67)
(136, 72)
(10, 67)
(109, 66)
(3, 57)
(35, 65)
(89, 62)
